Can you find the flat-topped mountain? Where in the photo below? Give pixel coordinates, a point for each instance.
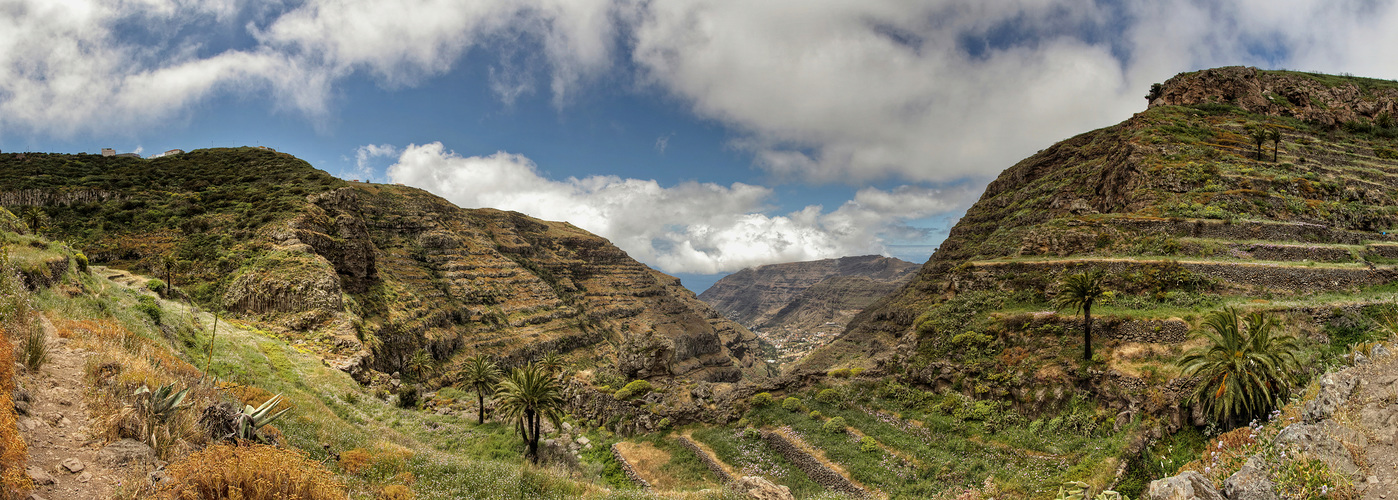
(372, 276)
(797, 306)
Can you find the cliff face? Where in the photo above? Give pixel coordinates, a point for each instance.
(799, 306)
(777, 294)
(371, 275)
(1183, 207)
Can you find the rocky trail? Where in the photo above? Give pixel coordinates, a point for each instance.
(65, 460)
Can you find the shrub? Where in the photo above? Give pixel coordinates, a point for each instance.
(155, 285)
(828, 396)
(147, 304)
(834, 425)
(635, 388)
(791, 404)
(354, 461)
(81, 260)
(816, 415)
(1387, 153)
(251, 472)
(396, 492)
(407, 398)
(751, 433)
(854, 372)
(839, 373)
(36, 347)
(869, 445)
(761, 399)
(663, 424)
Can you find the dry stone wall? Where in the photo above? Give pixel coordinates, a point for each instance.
(627, 469)
(1252, 230)
(818, 472)
(989, 276)
(708, 460)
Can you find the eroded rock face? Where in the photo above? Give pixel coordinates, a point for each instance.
(764, 296)
(1188, 486)
(1279, 94)
(1249, 483)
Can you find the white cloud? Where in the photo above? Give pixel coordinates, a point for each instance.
(690, 227)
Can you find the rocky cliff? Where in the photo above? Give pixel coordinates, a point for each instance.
(798, 306)
(370, 276)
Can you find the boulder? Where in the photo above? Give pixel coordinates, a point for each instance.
(1314, 440)
(1250, 483)
(1188, 486)
(758, 488)
(1335, 389)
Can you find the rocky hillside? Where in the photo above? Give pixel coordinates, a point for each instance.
(799, 306)
(1189, 205)
(373, 276)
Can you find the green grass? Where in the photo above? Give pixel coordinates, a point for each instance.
(752, 456)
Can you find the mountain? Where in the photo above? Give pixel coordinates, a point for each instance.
(370, 276)
(1189, 206)
(795, 306)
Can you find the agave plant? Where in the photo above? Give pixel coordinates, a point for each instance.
(164, 402)
(251, 420)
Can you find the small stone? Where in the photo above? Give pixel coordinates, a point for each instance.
(126, 450)
(1373, 479)
(85, 477)
(39, 476)
(73, 465)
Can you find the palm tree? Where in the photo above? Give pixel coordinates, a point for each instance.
(529, 395)
(480, 374)
(1259, 136)
(1078, 292)
(1246, 368)
(420, 364)
(1275, 136)
(552, 363)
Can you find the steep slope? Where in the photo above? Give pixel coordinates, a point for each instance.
(373, 276)
(798, 306)
(1184, 205)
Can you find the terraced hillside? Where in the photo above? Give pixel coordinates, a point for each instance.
(374, 278)
(1189, 205)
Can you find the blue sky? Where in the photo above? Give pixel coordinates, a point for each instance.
(701, 136)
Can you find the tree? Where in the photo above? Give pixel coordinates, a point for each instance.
(1246, 368)
(1155, 91)
(480, 374)
(552, 363)
(1078, 292)
(528, 396)
(1275, 136)
(34, 218)
(1259, 136)
(420, 364)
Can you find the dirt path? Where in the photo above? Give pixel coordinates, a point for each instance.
(62, 456)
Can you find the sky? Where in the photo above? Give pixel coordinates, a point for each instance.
(700, 136)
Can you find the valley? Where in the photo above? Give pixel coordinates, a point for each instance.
(381, 317)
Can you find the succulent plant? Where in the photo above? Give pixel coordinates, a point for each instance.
(164, 402)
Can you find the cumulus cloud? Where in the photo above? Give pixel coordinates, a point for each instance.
(690, 227)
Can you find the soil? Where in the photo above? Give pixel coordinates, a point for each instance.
(58, 429)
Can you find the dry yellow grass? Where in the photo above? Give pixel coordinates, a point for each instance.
(354, 461)
(250, 472)
(396, 492)
(13, 451)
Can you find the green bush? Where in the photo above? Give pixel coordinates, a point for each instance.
(146, 304)
(81, 260)
(633, 389)
(869, 445)
(791, 404)
(839, 373)
(761, 399)
(854, 372)
(828, 396)
(155, 285)
(751, 433)
(407, 398)
(816, 415)
(834, 425)
(663, 424)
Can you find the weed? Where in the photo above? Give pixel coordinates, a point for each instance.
(36, 347)
(250, 472)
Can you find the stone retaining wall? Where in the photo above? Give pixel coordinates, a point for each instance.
(1291, 278)
(627, 469)
(712, 464)
(1385, 251)
(1167, 331)
(818, 472)
(1243, 230)
(1295, 253)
